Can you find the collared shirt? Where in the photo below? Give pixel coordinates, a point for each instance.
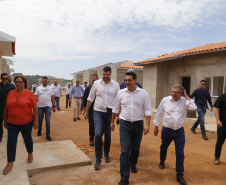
(4, 90)
(174, 112)
(134, 105)
(105, 94)
(201, 97)
(68, 90)
(57, 90)
(76, 91)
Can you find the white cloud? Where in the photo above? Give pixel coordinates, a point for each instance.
(87, 29)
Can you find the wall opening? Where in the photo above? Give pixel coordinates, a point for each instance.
(186, 83)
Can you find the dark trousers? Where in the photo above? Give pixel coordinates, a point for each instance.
(221, 135)
(102, 122)
(57, 102)
(67, 101)
(168, 135)
(1, 122)
(91, 125)
(13, 131)
(47, 112)
(200, 121)
(130, 139)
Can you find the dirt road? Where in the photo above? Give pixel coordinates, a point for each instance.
(199, 155)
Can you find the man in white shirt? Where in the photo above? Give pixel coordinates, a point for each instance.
(57, 93)
(135, 104)
(68, 92)
(105, 91)
(175, 109)
(46, 99)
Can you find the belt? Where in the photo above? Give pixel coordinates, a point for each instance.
(77, 98)
(132, 122)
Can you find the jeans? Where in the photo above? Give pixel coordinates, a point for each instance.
(102, 122)
(91, 125)
(1, 122)
(221, 135)
(130, 139)
(57, 102)
(47, 112)
(67, 100)
(13, 131)
(200, 121)
(179, 139)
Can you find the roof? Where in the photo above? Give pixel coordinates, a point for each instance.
(213, 47)
(129, 64)
(7, 44)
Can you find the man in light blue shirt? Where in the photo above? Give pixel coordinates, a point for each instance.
(76, 93)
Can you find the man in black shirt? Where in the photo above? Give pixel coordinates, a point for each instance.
(201, 95)
(5, 88)
(90, 118)
(220, 114)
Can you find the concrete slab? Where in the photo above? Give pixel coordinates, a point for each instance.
(47, 156)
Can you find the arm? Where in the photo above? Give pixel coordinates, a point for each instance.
(147, 108)
(84, 100)
(35, 110)
(147, 127)
(210, 102)
(60, 91)
(217, 115)
(87, 110)
(114, 115)
(158, 117)
(53, 103)
(193, 94)
(5, 117)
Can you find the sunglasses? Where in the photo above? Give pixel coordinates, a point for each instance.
(5, 78)
(203, 84)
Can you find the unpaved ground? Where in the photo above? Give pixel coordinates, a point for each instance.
(199, 155)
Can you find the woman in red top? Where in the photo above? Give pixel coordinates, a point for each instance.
(20, 115)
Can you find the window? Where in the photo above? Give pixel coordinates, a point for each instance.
(218, 86)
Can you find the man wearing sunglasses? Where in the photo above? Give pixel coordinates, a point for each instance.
(201, 95)
(5, 88)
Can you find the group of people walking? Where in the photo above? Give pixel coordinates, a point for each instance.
(102, 102)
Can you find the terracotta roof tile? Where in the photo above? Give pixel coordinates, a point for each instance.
(200, 49)
(129, 64)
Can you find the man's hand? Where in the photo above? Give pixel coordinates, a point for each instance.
(219, 124)
(60, 95)
(35, 125)
(146, 129)
(156, 131)
(54, 109)
(211, 110)
(86, 115)
(5, 124)
(112, 126)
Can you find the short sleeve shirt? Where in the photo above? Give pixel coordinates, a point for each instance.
(221, 104)
(44, 95)
(20, 108)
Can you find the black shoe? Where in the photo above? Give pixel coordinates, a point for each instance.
(74, 119)
(162, 165)
(49, 138)
(107, 158)
(133, 169)
(97, 164)
(193, 131)
(91, 143)
(181, 181)
(124, 182)
(66, 107)
(78, 119)
(39, 133)
(205, 137)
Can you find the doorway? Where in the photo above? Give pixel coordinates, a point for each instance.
(186, 83)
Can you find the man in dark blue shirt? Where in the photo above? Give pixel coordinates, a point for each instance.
(90, 118)
(201, 95)
(5, 88)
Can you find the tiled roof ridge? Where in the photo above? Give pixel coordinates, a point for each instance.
(129, 64)
(199, 49)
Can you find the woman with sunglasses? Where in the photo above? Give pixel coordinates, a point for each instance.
(20, 115)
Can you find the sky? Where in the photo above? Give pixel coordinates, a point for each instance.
(61, 37)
